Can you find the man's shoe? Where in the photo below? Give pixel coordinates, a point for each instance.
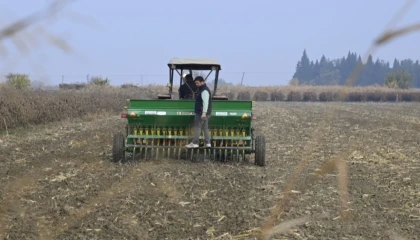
(191, 145)
(208, 145)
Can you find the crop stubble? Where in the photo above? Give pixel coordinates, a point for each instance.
(57, 182)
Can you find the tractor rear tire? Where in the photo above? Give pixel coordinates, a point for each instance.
(118, 148)
(260, 151)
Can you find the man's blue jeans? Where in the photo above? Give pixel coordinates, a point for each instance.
(200, 124)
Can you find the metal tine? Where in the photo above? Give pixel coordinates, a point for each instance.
(232, 150)
(205, 148)
(167, 147)
(164, 148)
(205, 153)
(176, 141)
(222, 155)
(149, 150)
(179, 148)
(232, 131)
(214, 153)
(169, 143)
(213, 142)
(220, 151)
(157, 144)
(139, 152)
(226, 151)
(165, 144)
(171, 151)
(192, 153)
(180, 143)
(174, 150)
(153, 152)
(167, 151)
(168, 156)
(237, 155)
(140, 148)
(237, 145)
(145, 150)
(145, 153)
(219, 155)
(139, 141)
(159, 149)
(225, 143)
(173, 154)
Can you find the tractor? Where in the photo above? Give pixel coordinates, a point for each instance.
(161, 127)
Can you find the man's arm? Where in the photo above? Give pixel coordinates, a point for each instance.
(205, 96)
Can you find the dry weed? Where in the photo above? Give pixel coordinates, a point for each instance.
(23, 108)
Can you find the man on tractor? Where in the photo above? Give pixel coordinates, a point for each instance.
(188, 89)
(202, 110)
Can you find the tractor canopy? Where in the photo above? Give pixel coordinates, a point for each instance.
(202, 64)
(189, 65)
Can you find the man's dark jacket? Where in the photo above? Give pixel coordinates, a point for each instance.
(185, 91)
(199, 101)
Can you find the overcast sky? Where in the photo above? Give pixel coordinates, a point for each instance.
(124, 40)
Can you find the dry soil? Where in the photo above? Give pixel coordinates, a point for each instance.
(57, 181)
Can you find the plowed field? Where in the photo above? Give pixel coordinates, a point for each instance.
(57, 181)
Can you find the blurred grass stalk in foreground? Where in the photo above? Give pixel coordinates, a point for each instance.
(18, 27)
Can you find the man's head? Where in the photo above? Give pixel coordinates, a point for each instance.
(188, 78)
(199, 81)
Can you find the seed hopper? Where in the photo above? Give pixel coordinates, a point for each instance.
(160, 128)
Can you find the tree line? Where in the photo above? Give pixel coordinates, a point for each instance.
(402, 74)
